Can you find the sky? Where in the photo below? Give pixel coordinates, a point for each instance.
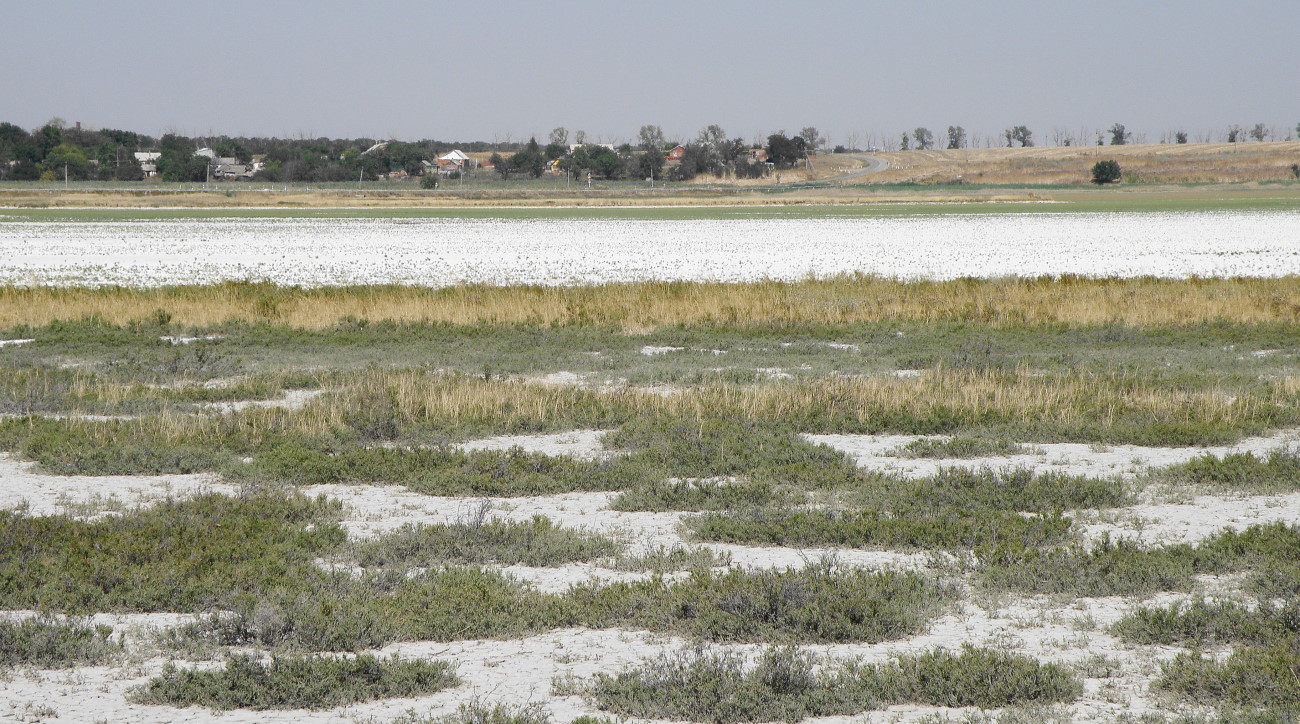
(505, 70)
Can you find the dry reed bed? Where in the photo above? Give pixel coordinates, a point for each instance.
(943, 398)
(637, 307)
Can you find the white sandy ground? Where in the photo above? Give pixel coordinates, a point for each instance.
(440, 252)
(21, 486)
(289, 400)
(1117, 675)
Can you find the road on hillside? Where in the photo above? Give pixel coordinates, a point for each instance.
(874, 164)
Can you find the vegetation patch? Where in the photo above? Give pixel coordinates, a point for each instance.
(442, 470)
(1275, 472)
(821, 603)
(1264, 676)
(538, 542)
(951, 529)
(960, 447)
(1122, 568)
(787, 685)
(312, 682)
(1203, 624)
(174, 556)
(51, 644)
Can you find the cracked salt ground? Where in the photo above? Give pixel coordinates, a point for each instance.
(872, 452)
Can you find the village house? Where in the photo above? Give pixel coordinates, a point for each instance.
(148, 161)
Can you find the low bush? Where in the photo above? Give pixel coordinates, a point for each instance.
(959, 447)
(696, 495)
(313, 682)
(1253, 676)
(538, 542)
(51, 644)
(786, 685)
(443, 470)
(1205, 624)
(1008, 489)
(704, 447)
(661, 559)
(174, 556)
(478, 712)
(819, 603)
(950, 529)
(1123, 568)
(1279, 471)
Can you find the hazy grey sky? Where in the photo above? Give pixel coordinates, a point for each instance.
(485, 70)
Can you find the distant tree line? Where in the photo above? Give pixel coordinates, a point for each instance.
(55, 150)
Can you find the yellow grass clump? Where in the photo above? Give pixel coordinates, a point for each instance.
(639, 307)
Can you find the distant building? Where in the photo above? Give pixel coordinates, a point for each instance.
(231, 169)
(677, 153)
(148, 161)
(454, 161)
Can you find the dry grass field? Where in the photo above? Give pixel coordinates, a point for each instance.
(1147, 164)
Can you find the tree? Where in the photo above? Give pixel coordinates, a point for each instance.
(559, 136)
(1259, 132)
(650, 138)
(650, 164)
(1022, 135)
(956, 137)
(66, 158)
(1234, 134)
(1180, 137)
(580, 137)
(530, 160)
(713, 136)
(924, 139)
(1118, 136)
(812, 138)
(500, 165)
(1105, 172)
(905, 143)
(178, 162)
(785, 152)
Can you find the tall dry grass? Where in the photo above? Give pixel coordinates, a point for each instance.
(637, 307)
(1117, 407)
(1147, 163)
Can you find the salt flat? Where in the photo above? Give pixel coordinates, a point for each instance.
(441, 251)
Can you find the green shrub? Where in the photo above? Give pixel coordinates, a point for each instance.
(1123, 568)
(174, 556)
(1015, 489)
(314, 682)
(443, 470)
(786, 685)
(950, 529)
(960, 447)
(51, 644)
(1252, 676)
(477, 712)
(1203, 624)
(1240, 471)
(708, 447)
(1105, 172)
(819, 603)
(538, 542)
(693, 495)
